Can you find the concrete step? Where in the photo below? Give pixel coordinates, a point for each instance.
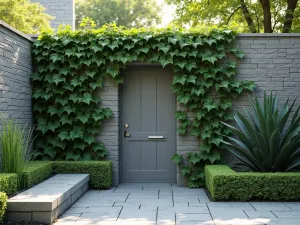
(47, 200)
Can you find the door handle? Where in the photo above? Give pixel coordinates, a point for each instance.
(155, 137)
(126, 134)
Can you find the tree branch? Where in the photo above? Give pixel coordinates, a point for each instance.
(289, 15)
(231, 15)
(248, 18)
(267, 15)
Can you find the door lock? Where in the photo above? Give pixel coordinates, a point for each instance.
(126, 125)
(126, 134)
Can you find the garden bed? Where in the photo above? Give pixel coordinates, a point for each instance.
(223, 183)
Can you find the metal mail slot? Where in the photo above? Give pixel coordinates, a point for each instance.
(155, 137)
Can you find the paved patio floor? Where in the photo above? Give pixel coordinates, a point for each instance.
(167, 204)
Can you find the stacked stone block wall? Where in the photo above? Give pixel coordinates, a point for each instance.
(15, 70)
(62, 10)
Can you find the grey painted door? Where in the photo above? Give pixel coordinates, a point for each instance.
(148, 107)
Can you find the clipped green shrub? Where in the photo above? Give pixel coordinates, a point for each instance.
(36, 172)
(225, 184)
(3, 205)
(9, 183)
(100, 171)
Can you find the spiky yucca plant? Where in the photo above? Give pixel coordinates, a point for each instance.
(266, 141)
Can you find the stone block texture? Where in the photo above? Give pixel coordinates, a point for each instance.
(62, 10)
(48, 200)
(15, 70)
(110, 133)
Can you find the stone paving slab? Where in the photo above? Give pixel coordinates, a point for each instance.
(167, 204)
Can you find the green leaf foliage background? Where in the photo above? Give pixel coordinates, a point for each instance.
(71, 67)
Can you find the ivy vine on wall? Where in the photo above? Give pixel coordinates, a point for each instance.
(71, 67)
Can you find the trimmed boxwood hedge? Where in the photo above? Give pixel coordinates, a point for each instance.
(3, 205)
(8, 183)
(225, 184)
(100, 171)
(36, 172)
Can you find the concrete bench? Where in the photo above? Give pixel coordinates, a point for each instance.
(47, 200)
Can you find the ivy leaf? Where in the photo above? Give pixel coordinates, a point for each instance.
(165, 61)
(107, 112)
(209, 106)
(181, 79)
(190, 65)
(68, 109)
(200, 114)
(198, 92)
(98, 61)
(62, 101)
(83, 118)
(87, 98)
(192, 79)
(181, 130)
(98, 146)
(87, 156)
(216, 141)
(50, 151)
(36, 77)
(96, 49)
(97, 84)
(64, 135)
(73, 156)
(89, 139)
(79, 144)
(183, 98)
(64, 119)
(177, 159)
(55, 57)
(180, 115)
(74, 97)
(185, 171)
(57, 79)
(113, 70)
(76, 133)
(181, 63)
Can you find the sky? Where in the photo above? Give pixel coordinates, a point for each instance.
(168, 12)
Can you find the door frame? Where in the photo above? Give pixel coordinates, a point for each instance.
(150, 66)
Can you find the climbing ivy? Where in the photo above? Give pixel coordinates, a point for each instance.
(71, 67)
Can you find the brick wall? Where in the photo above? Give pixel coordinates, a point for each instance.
(62, 10)
(15, 69)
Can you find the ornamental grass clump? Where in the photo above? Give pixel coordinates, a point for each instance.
(16, 146)
(268, 140)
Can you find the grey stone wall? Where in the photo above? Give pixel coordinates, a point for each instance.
(15, 69)
(272, 61)
(62, 10)
(110, 132)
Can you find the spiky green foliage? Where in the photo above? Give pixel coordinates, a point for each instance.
(71, 67)
(16, 145)
(266, 141)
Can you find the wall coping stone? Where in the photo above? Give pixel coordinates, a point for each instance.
(7, 26)
(262, 35)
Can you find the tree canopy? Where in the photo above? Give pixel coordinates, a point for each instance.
(25, 16)
(244, 15)
(129, 13)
